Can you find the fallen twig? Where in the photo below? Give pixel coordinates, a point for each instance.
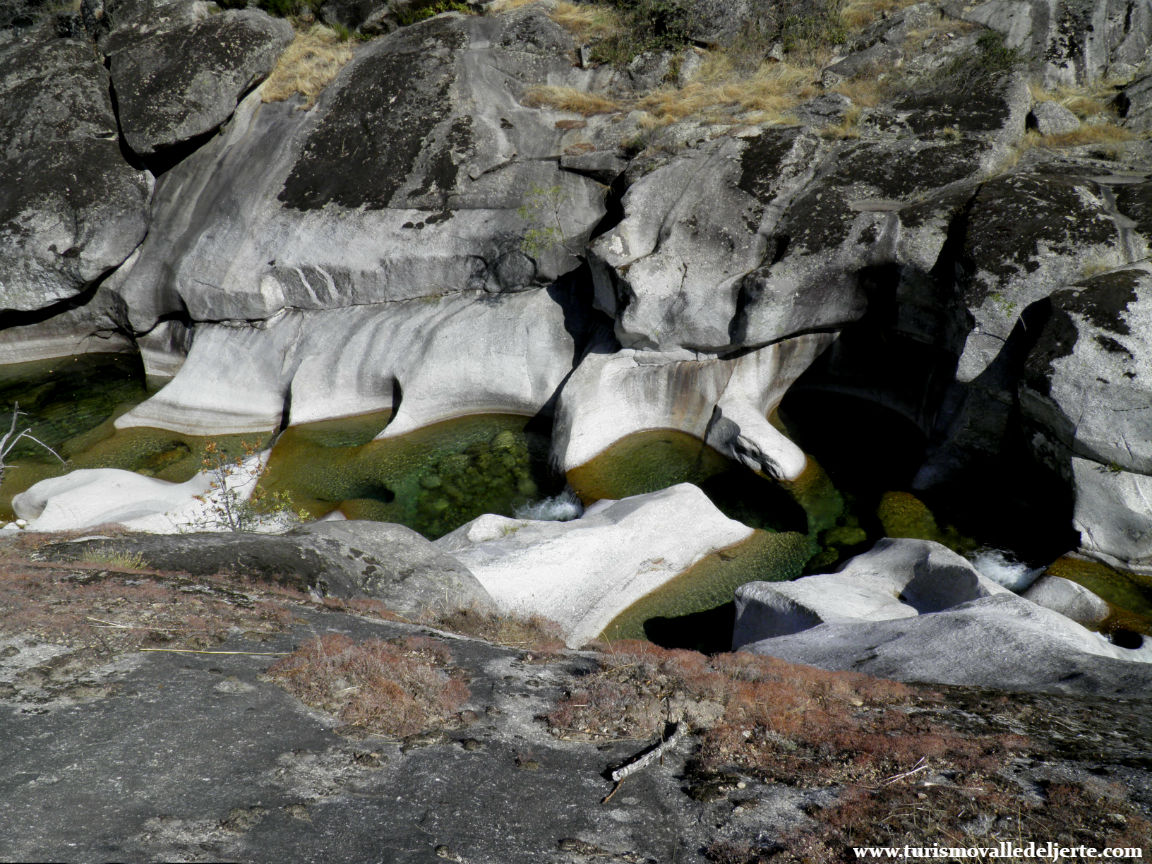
(922, 765)
(644, 759)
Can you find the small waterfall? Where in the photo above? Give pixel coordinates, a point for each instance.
(559, 508)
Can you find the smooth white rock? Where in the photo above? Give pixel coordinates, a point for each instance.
(897, 578)
(1070, 599)
(468, 353)
(585, 572)
(97, 496)
(723, 402)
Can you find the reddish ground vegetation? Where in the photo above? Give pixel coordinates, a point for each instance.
(903, 774)
(395, 688)
(89, 606)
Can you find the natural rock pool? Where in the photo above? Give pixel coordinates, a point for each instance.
(440, 477)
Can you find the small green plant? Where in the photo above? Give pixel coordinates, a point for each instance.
(12, 437)
(991, 60)
(236, 500)
(542, 211)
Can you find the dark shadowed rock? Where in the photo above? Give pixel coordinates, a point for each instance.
(71, 208)
(389, 562)
(184, 82)
(1135, 104)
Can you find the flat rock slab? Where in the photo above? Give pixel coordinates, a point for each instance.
(200, 758)
(346, 559)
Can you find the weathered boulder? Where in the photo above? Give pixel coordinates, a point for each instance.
(1001, 641)
(418, 173)
(1135, 104)
(725, 403)
(1017, 252)
(71, 208)
(1112, 514)
(182, 83)
(389, 562)
(670, 272)
(426, 360)
(1070, 599)
(898, 578)
(1052, 118)
(586, 573)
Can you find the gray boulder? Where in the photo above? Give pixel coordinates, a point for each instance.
(1135, 104)
(1113, 515)
(1070, 599)
(1073, 41)
(1052, 118)
(898, 578)
(670, 272)
(417, 174)
(1087, 379)
(1001, 641)
(345, 559)
(71, 208)
(184, 82)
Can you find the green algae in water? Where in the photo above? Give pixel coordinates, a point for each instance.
(66, 397)
(902, 514)
(712, 582)
(433, 479)
(656, 459)
(1129, 592)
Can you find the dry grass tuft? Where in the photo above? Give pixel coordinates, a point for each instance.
(570, 99)
(396, 688)
(720, 88)
(535, 634)
(858, 14)
(307, 66)
(509, 5)
(587, 23)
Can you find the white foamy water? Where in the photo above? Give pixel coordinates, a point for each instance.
(1003, 570)
(560, 508)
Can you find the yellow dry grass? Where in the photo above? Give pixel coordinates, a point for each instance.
(307, 66)
(588, 23)
(858, 14)
(769, 93)
(570, 99)
(848, 127)
(1095, 100)
(509, 5)
(866, 92)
